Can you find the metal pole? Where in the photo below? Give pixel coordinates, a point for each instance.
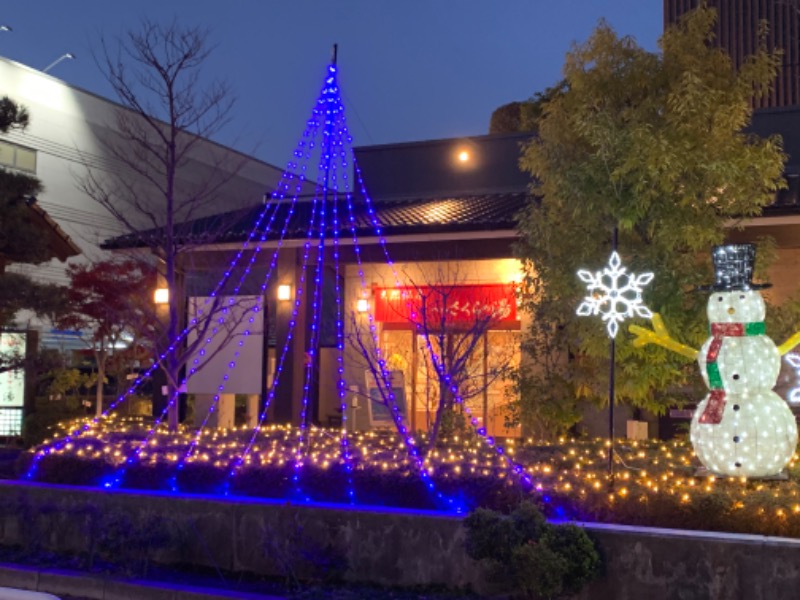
(611, 409)
(611, 364)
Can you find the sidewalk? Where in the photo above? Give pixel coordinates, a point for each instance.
(80, 585)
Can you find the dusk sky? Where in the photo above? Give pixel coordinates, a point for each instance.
(409, 70)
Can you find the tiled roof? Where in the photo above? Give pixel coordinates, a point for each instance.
(486, 212)
(61, 245)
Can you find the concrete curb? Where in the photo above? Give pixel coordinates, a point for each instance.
(73, 583)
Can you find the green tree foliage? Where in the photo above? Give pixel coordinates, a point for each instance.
(528, 556)
(21, 240)
(524, 116)
(650, 143)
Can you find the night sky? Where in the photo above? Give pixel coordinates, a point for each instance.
(409, 69)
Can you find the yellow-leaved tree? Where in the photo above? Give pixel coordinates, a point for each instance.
(652, 144)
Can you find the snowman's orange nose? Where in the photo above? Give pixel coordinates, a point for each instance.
(731, 310)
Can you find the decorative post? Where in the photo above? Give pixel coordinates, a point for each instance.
(615, 295)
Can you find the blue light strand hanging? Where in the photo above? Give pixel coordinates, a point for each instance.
(341, 383)
(114, 480)
(234, 468)
(384, 378)
(383, 244)
(208, 340)
(59, 444)
(263, 289)
(313, 341)
(278, 196)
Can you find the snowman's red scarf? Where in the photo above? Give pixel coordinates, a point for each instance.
(712, 415)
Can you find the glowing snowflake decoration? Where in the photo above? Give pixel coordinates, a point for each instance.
(794, 394)
(614, 294)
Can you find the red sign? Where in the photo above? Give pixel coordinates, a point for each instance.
(446, 304)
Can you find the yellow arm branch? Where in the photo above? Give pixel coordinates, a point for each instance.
(789, 344)
(660, 337)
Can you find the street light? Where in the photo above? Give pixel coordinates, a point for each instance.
(69, 55)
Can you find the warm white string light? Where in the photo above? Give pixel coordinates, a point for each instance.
(754, 433)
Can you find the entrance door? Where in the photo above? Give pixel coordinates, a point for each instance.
(486, 389)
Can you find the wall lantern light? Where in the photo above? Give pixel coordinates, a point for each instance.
(284, 292)
(161, 296)
(362, 305)
(463, 156)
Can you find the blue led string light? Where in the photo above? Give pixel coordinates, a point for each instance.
(292, 323)
(312, 355)
(384, 379)
(341, 384)
(334, 112)
(242, 278)
(279, 368)
(300, 153)
(59, 444)
(114, 480)
(284, 353)
(515, 467)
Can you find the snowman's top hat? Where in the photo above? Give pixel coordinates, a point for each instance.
(733, 269)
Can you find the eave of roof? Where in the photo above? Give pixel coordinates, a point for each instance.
(61, 245)
(397, 217)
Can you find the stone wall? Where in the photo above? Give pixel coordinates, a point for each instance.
(390, 546)
(394, 547)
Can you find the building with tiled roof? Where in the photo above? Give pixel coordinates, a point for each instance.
(446, 210)
(442, 204)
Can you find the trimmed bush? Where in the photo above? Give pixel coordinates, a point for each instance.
(529, 557)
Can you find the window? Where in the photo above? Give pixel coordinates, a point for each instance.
(17, 157)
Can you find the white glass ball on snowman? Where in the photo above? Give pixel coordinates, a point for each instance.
(741, 428)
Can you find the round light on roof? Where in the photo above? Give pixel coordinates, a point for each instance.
(463, 156)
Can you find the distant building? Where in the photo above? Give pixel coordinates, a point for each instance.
(65, 138)
(737, 31)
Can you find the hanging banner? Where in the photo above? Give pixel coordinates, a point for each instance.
(446, 304)
(241, 332)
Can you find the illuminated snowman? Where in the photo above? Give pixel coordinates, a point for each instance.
(742, 427)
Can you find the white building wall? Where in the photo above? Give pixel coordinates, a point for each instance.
(66, 126)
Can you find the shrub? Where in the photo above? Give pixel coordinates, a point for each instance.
(528, 556)
(42, 423)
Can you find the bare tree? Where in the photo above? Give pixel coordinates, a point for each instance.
(164, 172)
(453, 331)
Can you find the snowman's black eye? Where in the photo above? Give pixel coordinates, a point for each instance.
(720, 298)
(741, 297)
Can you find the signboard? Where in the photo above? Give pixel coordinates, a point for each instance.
(460, 303)
(242, 331)
(12, 385)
